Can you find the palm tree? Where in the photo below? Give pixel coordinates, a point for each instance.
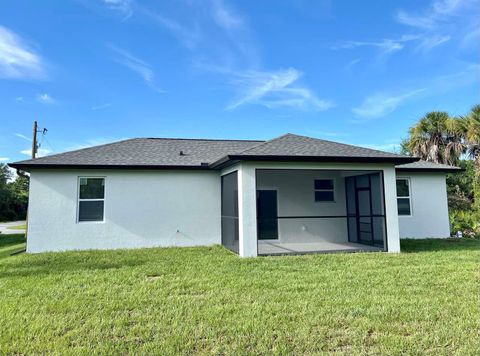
(437, 138)
(472, 134)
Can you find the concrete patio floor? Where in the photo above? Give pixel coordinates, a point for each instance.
(278, 248)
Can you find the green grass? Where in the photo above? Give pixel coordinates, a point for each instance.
(209, 301)
(17, 227)
(10, 244)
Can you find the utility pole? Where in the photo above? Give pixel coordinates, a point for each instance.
(34, 154)
(34, 140)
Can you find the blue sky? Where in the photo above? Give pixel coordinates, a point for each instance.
(360, 72)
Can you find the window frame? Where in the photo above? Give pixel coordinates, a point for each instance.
(409, 183)
(333, 190)
(79, 178)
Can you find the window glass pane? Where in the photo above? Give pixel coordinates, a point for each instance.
(403, 206)
(90, 211)
(402, 188)
(323, 183)
(324, 196)
(92, 188)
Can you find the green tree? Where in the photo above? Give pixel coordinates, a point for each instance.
(13, 195)
(437, 137)
(471, 134)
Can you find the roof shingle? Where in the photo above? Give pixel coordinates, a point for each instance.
(204, 153)
(427, 166)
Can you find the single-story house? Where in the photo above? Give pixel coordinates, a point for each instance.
(291, 194)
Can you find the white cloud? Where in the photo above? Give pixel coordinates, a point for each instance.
(433, 27)
(380, 104)
(438, 11)
(137, 65)
(17, 61)
(429, 42)
(45, 99)
(40, 152)
(352, 63)
(446, 83)
(386, 45)
(22, 136)
(472, 37)
(125, 7)
(4, 159)
(224, 16)
(444, 20)
(220, 41)
(92, 142)
(276, 89)
(101, 106)
(189, 36)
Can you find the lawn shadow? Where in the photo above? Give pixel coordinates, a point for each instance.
(430, 245)
(7, 240)
(52, 263)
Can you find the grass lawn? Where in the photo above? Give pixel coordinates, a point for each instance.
(17, 227)
(207, 300)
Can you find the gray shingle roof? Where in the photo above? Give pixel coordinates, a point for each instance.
(200, 153)
(427, 166)
(145, 152)
(296, 145)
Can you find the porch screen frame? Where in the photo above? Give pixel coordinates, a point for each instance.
(346, 216)
(372, 216)
(234, 218)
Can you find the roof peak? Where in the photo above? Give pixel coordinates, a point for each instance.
(196, 139)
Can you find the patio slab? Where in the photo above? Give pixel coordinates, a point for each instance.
(278, 248)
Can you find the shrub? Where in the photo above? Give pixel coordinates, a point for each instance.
(466, 221)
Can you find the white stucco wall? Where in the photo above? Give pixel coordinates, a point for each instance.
(429, 207)
(142, 209)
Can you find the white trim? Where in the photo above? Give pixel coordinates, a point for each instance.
(95, 199)
(409, 196)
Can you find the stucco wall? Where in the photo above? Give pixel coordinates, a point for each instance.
(295, 197)
(429, 207)
(142, 209)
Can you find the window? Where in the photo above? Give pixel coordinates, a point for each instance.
(324, 190)
(91, 199)
(403, 197)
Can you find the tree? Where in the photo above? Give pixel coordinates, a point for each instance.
(13, 195)
(437, 138)
(472, 134)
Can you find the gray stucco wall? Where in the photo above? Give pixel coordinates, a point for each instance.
(295, 194)
(429, 207)
(142, 209)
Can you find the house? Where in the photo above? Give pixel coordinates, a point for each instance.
(292, 194)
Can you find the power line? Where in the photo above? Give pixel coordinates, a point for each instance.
(49, 144)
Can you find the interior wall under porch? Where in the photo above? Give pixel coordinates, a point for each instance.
(302, 219)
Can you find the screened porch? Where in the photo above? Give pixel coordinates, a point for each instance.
(310, 211)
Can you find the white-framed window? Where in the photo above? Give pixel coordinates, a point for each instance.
(404, 198)
(324, 190)
(91, 199)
